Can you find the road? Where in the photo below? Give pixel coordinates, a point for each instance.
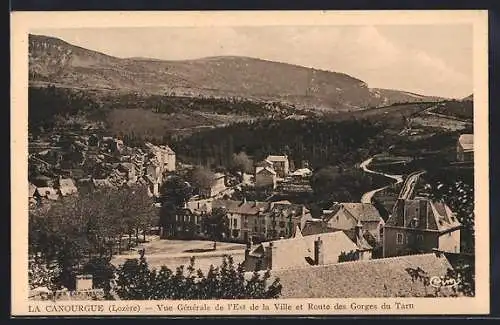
(367, 197)
(409, 185)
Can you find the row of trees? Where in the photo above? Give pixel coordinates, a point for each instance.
(137, 281)
(71, 232)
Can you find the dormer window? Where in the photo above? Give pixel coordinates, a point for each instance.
(414, 223)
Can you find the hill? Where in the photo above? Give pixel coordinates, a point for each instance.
(54, 61)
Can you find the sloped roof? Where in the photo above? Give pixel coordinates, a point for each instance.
(262, 169)
(315, 228)
(241, 207)
(385, 277)
(293, 252)
(364, 212)
(301, 172)
(102, 182)
(31, 190)
(272, 158)
(430, 215)
(466, 141)
(67, 186)
(47, 192)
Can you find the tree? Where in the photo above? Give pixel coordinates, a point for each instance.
(137, 282)
(202, 178)
(174, 193)
(242, 163)
(102, 272)
(348, 256)
(42, 275)
(217, 224)
(458, 281)
(459, 196)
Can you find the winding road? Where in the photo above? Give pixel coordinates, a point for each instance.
(367, 197)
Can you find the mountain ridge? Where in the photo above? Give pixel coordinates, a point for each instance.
(55, 61)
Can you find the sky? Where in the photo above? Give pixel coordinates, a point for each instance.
(425, 59)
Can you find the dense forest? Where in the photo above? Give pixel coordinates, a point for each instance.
(48, 105)
(318, 142)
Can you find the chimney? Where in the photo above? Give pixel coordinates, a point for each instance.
(269, 256)
(318, 252)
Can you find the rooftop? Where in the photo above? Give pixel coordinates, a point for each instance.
(297, 252)
(386, 277)
(277, 158)
(364, 212)
(423, 214)
(466, 141)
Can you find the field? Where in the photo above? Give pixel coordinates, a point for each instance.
(458, 109)
(173, 253)
(440, 122)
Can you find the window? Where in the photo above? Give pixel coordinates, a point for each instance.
(399, 238)
(235, 223)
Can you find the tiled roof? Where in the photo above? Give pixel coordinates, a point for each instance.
(315, 228)
(295, 252)
(241, 207)
(365, 212)
(387, 277)
(268, 169)
(428, 214)
(277, 158)
(466, 141)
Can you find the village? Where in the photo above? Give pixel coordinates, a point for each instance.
(350, 242)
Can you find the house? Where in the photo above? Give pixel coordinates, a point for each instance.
(259, 221)
(265, 178)
(345, 216)
(187, 225)
(67, 186)
(46, 193)
(377, 278)
(153, 186)
(32, 195)
(164, 155)
(218, 185)
(280, 164)
(129, 170)
(301, 252)
(421, 225)
(301, 173)
(283, 219)
(138, 158)
(243, 217)
(465, 147)
(101, 183)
